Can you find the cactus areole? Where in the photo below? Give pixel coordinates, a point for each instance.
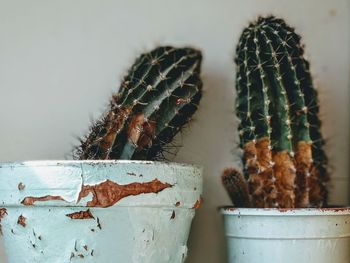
(156, 99)
(279, 130)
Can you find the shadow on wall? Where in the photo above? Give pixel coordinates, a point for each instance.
(211, 139)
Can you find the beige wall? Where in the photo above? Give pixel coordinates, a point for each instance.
(60, 61)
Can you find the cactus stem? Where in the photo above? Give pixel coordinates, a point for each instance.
(144, 116)
(279, 128)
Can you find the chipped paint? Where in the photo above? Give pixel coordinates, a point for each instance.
(21, 186)
(81, 215)
(3, 213)
(172, 215)
(229, 208)
(99, 224)
(108, 193)
(334, 209)
(21, 221)
(30, 200)
(57, 195)
(198, 202)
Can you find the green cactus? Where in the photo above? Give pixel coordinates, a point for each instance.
(277, 105)
(156, 99)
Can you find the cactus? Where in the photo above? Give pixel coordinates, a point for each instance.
(236, 186)
(284, 162)
(156, 99)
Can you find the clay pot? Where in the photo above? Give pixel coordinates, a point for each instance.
(98, 211)
(287, 235)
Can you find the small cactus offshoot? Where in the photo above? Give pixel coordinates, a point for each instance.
(156, 99)
(284, 161)
(236, 186)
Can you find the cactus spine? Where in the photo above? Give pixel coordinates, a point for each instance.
(158, 96)
(284, 161)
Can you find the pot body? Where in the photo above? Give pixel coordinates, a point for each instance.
(97, 211)
(287, 235)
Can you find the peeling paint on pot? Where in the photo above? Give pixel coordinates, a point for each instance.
(287, 235)
(97, 211)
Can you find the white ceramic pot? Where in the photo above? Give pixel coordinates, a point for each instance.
(287, 235)
(97, 211)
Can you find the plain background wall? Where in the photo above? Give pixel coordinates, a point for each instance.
(61, 60)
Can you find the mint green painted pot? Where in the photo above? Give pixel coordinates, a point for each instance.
(97, 211)
(287, 235)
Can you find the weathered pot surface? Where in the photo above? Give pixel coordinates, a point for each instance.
(307, 235)
(97, 211)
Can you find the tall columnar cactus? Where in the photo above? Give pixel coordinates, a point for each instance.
(157, 97)
(277, 105)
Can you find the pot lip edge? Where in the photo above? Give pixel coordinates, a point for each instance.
(54, 162)
(335, 210)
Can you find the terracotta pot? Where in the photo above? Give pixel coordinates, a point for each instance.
(97, 211)
(287, 235)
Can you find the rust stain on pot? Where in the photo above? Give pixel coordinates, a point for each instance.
(322, 209)
(283, 210)
(334, 209)
(108, 193)
(81, 215)
(3, 213)
(177, 204)
(229, 208)
(21, 221)
(30, 200)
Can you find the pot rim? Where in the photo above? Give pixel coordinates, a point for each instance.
(33, 163)
(334, 211)
(82, 183)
